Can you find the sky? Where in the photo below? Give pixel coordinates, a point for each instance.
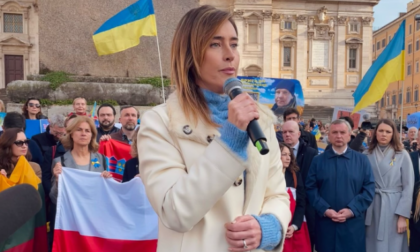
(388, 10)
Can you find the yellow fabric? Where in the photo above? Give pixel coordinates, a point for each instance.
(387, 74)
(125, 36)
(22, 174)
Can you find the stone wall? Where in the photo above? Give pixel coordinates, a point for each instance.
(66, 29)
(123, 94)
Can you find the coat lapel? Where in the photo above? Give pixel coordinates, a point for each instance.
(200, 132)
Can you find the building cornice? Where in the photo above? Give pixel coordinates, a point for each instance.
(396, 21)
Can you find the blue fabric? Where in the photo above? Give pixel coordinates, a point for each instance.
(270, 231)
(236, 139)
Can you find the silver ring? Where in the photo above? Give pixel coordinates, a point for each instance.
(245, 246)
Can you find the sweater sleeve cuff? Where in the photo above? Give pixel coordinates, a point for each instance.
(236, 139)
(270, 231)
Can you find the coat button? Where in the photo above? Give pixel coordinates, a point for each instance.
(209, 139)
(238, 182)
(187, 130)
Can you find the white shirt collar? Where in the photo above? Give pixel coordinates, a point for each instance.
(339, 153)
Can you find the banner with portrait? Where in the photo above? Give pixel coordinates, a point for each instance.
(357, 118)
(277, 94)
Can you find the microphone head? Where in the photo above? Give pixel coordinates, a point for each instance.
(230, 84)
(19, 204)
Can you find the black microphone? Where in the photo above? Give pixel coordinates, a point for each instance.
(18, 205)
(233, 88)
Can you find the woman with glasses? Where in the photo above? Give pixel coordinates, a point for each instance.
(13, 145)
(82, 154)
(32, 109)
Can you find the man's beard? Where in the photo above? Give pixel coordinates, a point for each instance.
(106, 126)
(129, 126)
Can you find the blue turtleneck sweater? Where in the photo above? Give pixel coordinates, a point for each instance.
(237, 140)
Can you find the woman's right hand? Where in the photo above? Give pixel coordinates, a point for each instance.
(242, 110)
(57, 169)
(3, 172)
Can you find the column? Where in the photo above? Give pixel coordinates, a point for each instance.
(340, 55)
(367, 46)
(267, 43)
(275, 47)
(301, 59)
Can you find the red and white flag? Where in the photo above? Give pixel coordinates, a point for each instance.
(102, 215)
(300, 241)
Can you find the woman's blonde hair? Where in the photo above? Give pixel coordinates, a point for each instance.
(192, 37)
(67, 140)
(133, 150)
(2, 107)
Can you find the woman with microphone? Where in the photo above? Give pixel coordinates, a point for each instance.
(210, 187)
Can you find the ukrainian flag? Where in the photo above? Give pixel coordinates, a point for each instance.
(316, 132)
(124, 30)
(389, 67)
(92, 112)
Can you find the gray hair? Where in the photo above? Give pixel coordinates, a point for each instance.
(414, 129)
(57, 120)
(342, 121)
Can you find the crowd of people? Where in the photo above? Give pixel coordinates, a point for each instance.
(69, 141)
(211, 189)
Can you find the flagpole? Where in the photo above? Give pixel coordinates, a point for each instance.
(161, 71)
(401, 117)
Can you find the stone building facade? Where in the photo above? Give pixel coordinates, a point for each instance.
(326, 45)
(398, 96)
(19, 40)
(66, 29)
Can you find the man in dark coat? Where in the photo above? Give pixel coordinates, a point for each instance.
(106, 117)
(340, 186)
(292, 114)
(304, 156)
(49, 139)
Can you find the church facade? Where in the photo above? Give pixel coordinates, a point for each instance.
(326, 45)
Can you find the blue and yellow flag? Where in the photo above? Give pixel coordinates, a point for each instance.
(389, 67)
(93, 111)
(124, 30)
(316, 132)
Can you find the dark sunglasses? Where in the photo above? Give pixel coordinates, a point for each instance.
(34, 105)
(21, 143)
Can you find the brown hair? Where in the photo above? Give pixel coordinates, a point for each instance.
(293, 167)
(25, 112)
(192, 37)
(7, 139)
(74, 100)
(395, 141)
(67, 140)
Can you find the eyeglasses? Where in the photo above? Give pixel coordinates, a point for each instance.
(20, 143)
(34, 105)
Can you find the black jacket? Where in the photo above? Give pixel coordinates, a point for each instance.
(102, 132)
(304, 157)
(45, 141)
(356, 142)
(131, 169)
(309, 138)
(415, 160)
(46, 166)
(300, 196)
